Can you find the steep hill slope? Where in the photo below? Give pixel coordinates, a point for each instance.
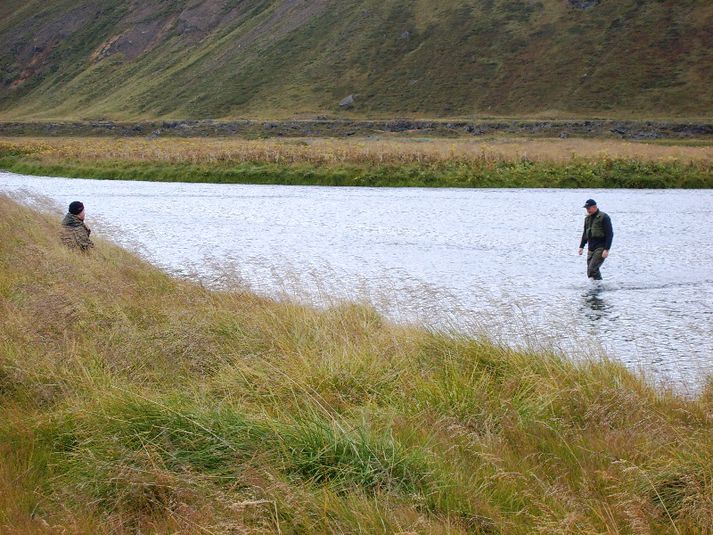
(280, 58)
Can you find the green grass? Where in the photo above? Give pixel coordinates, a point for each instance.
(135, 402)
(503, 174)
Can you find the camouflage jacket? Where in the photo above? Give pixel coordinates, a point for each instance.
(75, 233)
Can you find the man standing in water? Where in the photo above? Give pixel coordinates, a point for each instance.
(75, 234)
(598, 234)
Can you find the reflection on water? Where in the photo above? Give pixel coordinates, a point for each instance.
(595, 305)
(503, 262)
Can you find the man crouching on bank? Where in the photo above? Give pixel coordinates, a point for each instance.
(75, 234)
(598, 235)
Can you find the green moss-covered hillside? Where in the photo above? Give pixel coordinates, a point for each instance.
(277, 58)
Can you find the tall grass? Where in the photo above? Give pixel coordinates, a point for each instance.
(135, 402)
(367, 162)
(326, 151)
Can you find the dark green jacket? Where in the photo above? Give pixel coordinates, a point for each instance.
(75, 233)
(598, 231)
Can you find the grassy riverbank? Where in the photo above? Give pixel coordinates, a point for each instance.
(135, 402)
(496, 162)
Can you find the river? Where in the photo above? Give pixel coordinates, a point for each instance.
(497, 261)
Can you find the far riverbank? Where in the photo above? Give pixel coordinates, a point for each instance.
(374, 161)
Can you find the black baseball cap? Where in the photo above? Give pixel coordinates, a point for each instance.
(589, 203)
(76, 207)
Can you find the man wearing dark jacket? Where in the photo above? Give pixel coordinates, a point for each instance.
(598, 234)
(75, 234)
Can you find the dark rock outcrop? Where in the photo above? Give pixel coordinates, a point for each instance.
(583, 4)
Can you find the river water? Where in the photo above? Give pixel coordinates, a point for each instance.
(497, 261)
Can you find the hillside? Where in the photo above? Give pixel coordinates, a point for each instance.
(92, 59)
(132, 402)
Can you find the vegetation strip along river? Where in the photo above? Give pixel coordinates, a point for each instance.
(496, 162)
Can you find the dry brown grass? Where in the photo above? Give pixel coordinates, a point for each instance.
(387, 151)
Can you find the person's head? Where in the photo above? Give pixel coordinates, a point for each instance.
(77, 208)
(591, 206)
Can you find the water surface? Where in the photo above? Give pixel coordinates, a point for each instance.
(501, 261)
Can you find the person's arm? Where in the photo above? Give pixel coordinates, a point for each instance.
(583, 242)
(608, 233)
(83, 240)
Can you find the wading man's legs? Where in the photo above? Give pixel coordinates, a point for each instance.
(594, 262)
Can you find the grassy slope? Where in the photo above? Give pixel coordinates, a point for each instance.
(132, 401)
(277, 58)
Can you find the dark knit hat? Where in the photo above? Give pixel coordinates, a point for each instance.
(76, 207)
